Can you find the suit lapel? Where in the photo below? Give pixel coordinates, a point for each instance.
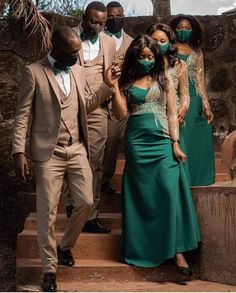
(77, 74)
(51, 77)
(105, 51)
(126, 41)
(81, 57)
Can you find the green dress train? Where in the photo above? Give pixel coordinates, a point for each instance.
(159, 218)
(198, 133)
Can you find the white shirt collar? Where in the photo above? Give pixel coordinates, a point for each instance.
(51, 59)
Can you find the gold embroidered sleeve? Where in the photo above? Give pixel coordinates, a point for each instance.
(183, 84)
(200, 76)
(172, 115)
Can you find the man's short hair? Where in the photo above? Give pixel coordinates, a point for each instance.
(63, 34)
(114, 4)
(96, 5)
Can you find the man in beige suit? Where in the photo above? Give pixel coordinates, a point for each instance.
(116, 128)
(97, 54)
(53, 105)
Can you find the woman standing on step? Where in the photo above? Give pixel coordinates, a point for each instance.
(198, 132)
(159, 220)
(178, 70)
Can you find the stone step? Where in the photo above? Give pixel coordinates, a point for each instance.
(217, 164)
(93, 270)
(219, 177)
(88, 246)
(110, 220)
(110, 203)
(124, 286)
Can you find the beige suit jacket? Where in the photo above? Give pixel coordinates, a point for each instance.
(127, 41)
(39, 109)
(108, 45)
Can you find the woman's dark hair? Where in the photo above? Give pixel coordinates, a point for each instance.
(196, 40)
(172, 51)
(130, 73)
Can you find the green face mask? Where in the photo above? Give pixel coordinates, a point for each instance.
(184, 36)
(145, 67)
(164, 47)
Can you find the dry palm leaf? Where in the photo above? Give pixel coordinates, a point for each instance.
(36, 26)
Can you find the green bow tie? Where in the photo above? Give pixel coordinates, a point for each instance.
(117, 35)
(58, 67)
(84, 37)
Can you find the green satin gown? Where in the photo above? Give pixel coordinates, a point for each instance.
(159, 218)
(198, 136)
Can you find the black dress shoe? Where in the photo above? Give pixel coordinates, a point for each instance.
(186, 271)
(107, 188)
(65, 257)
(69, 210)
(49, 283)
(95, 226)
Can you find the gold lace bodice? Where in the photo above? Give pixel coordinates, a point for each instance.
(164, 107)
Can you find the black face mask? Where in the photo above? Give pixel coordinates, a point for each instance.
(114, 25)
(67, 60)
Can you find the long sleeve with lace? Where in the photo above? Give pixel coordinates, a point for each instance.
(172, 115)
(195, 64)
(183, 84)
(201, 81)
(179, 75)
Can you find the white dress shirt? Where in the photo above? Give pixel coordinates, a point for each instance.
(62, 78)
(90, 51)
(118, 41)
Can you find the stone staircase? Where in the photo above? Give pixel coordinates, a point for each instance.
(98, 257)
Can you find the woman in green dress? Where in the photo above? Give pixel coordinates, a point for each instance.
(198, 131)
(159, 220)
(178, 70)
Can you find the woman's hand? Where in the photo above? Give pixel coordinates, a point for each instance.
(113, 74)
(209, 115)
(178, 154)
(182, 111)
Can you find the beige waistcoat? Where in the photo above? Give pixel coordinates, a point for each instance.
(69, 126)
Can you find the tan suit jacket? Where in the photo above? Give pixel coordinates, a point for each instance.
(39, 109)
(127, 41)
(108, 45)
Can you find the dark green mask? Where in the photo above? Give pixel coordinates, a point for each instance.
(164, 47)
(145, 67)
(184, 36)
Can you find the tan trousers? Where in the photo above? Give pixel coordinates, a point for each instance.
(116, 130)
(97, 130)
(72, 164)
